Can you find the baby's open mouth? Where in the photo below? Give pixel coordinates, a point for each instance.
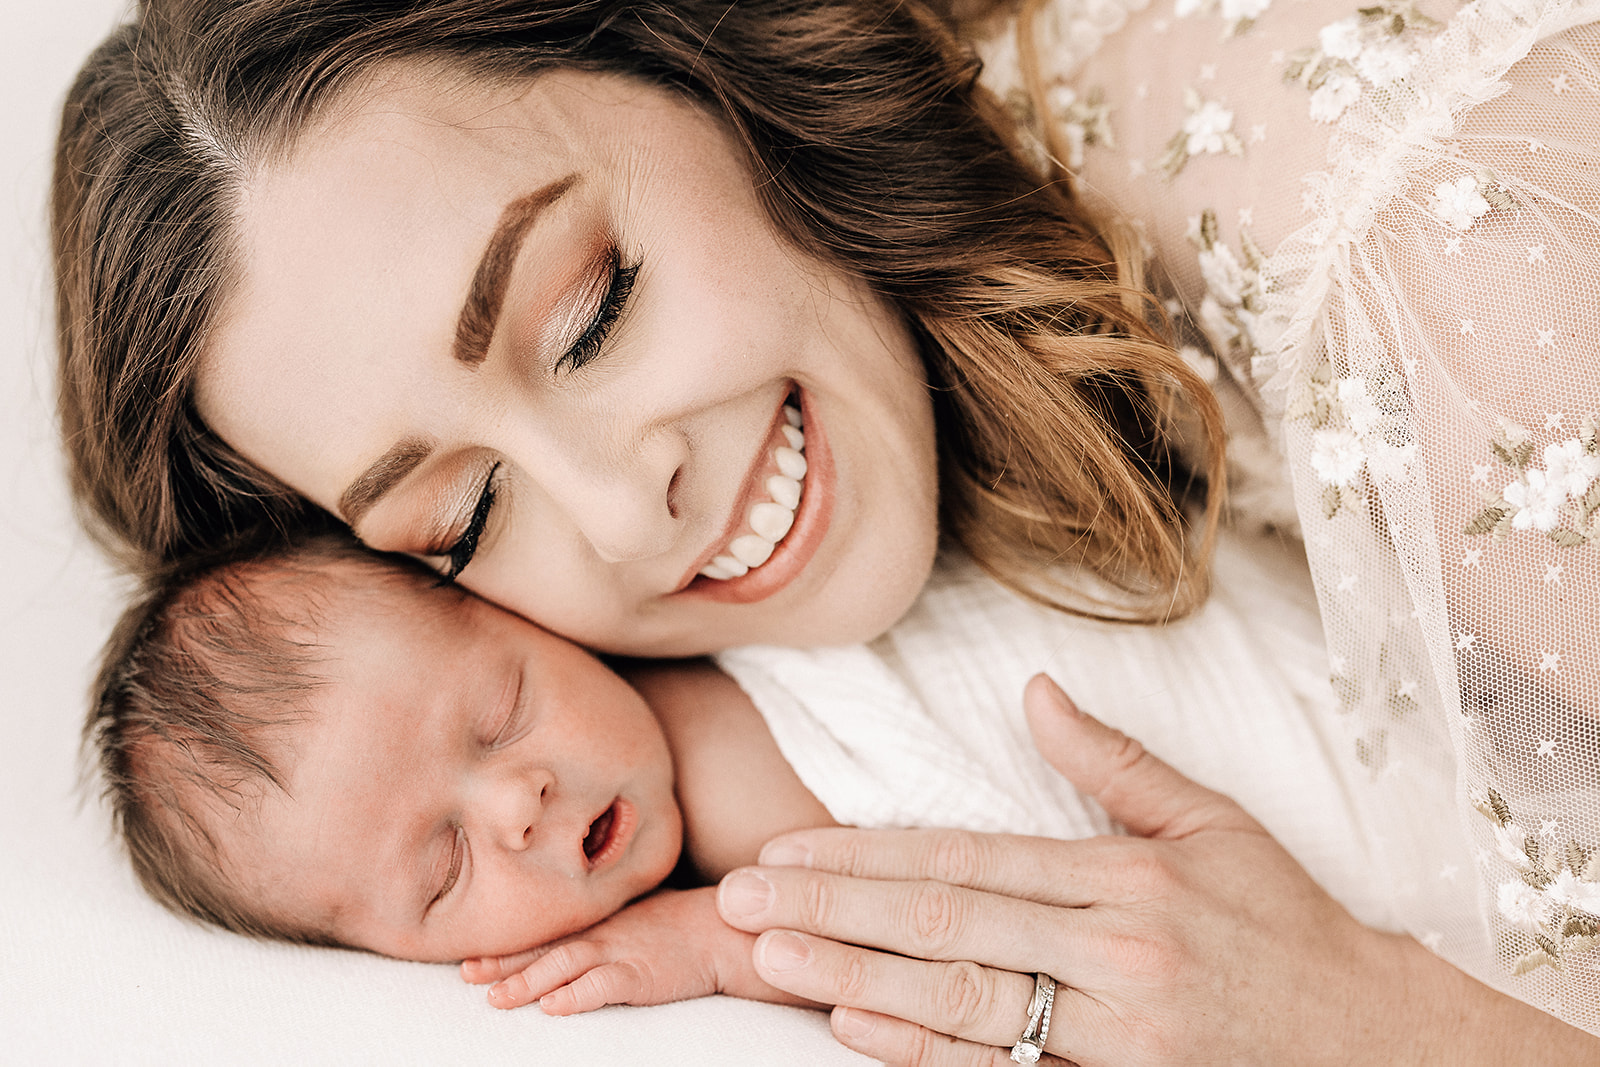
(599, 834)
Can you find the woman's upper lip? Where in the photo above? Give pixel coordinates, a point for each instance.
(747, 496)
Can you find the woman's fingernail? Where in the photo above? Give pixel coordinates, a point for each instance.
(785, 854)
(1059, 694)
(855, 1025)
(744, 894)
(783, 951)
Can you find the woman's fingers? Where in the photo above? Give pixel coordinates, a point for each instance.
(1067, 874)
(1147, 796)
(902, 1044)
(962, 1000)
(926, 919)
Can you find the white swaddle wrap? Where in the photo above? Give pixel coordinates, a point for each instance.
(924, 726)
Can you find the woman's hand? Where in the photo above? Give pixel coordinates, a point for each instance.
(1198, 940)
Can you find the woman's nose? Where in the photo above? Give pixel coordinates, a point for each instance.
(622, 500)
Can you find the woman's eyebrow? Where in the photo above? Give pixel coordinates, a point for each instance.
(475, 327)
(385, 473)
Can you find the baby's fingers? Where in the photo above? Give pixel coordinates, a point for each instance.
(609, 983)
(551, 969)
(481, 970)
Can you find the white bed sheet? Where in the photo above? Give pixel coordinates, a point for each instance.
(91, 971)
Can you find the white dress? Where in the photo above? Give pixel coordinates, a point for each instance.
(1381, 226)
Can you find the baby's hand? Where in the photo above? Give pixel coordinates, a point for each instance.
(672, 945)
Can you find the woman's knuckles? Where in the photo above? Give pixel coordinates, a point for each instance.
(937, 919)
(964, 995)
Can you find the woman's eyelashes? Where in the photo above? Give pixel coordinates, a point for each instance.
(619, 287)
(460, 553)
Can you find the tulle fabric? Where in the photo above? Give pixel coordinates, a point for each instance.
(1381, 226)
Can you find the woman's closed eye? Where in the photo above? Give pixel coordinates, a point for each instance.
(459, 553)
(619, 286)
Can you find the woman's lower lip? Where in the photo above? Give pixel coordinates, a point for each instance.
(624, 821)
(803, 539)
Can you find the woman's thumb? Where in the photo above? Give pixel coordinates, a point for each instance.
(1135, 788)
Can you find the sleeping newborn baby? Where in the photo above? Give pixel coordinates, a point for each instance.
(329, 746)
(332, 747)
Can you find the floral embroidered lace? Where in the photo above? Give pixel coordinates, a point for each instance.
(1386, 222)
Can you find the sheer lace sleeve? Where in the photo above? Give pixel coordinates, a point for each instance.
(1386, 223)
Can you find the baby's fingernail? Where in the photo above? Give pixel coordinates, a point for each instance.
(785, 854)
(745, 894)
(784, 951)
(853, 1024)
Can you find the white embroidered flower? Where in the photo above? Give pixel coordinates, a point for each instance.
(1206, 127)
(1459, 203)
(1184, 8)
(1224, 277)
(1342, 40)
(1385, 63)
(1359, 407)
(1336, 456)
(1244, 9)
(1585, 896)
(1199, 362)
(1512, 844)
(1217, 323)
(1571, 468)
(1331, 99)
(1390, 463)
(1523, 906)
(1537, 501)
(1515, 433)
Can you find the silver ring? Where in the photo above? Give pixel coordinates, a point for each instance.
(1030, 1046)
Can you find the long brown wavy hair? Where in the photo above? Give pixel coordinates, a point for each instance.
(872, 148)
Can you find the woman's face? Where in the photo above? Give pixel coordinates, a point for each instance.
(545, 335)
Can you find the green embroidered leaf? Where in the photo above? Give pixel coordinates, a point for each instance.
(1567, 538)
(1208, 228)
(1522, 454)
(1591, 870)
(1502, 810)
(1533, 961)
(1502, 453)
(1550, 948)
(1577, 858)
(1175, 157)
(1537, 877)
(1373, 753)
(1330, 501)
(1486, 520)
(1591, 501)
(1581, 926)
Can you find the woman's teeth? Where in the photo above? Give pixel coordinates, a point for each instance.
(769, 520)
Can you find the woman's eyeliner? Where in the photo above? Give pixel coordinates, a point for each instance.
(466, 546)
(589, 343)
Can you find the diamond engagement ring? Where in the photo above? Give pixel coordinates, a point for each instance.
(1030, 1046)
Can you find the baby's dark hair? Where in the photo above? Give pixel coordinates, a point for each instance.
(202, 677)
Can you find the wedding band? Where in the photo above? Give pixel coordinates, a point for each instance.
(1030, 1046)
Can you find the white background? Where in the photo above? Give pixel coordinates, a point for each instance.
(90, 971)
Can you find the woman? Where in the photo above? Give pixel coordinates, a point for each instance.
(348, 254)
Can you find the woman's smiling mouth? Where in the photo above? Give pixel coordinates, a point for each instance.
(785, 513)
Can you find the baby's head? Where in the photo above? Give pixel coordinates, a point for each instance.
(325, 745)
